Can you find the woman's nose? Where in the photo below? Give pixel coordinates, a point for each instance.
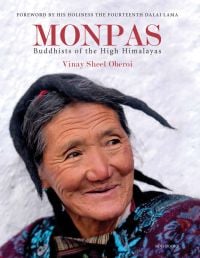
(98, 168)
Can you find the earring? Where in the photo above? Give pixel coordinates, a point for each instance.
(45, 190)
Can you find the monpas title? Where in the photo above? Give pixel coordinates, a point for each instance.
(96, 35)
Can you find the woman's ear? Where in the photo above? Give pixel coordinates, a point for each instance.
(43, 178)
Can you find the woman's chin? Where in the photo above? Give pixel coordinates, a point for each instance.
(112, 212)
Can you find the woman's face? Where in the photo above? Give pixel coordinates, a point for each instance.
(88, 161)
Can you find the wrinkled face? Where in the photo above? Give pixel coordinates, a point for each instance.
(88, 161)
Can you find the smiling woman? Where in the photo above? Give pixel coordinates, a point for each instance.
(88, 160)
(73, 136)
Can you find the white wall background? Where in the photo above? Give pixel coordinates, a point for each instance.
(169, 83)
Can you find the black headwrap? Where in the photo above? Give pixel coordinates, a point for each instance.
(73, 86)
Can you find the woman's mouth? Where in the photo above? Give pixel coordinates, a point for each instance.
(102, 190)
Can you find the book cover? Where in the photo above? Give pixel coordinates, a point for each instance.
(147, 50)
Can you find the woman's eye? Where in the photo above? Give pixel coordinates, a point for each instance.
(113, 141)
(73, 154)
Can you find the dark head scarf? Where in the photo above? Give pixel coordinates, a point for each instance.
(79, 88)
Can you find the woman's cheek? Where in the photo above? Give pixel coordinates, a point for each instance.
(69, 178)
(124, 160)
